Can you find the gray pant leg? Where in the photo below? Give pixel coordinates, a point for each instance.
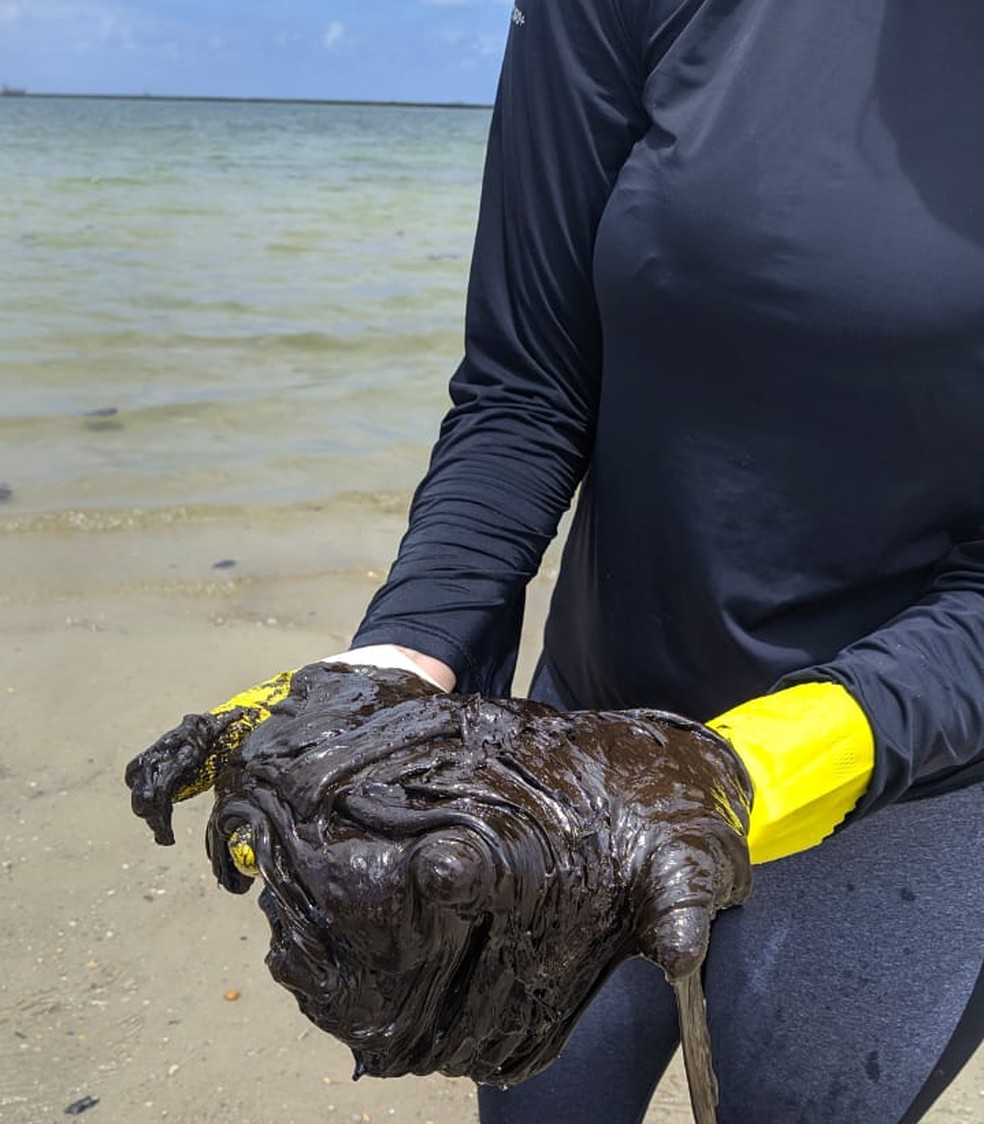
(835, 989)
(832, 993)
(610, 1065)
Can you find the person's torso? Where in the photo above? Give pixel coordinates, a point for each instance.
(790, 274)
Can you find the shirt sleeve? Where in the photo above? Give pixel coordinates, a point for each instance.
(920, 681)
(517, 439)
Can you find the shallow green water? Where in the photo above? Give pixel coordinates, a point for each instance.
(226, 304)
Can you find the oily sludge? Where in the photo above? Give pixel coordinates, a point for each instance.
(449, 879)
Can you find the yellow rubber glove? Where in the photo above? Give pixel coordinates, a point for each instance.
(810, 752)
(186, 760)
(245, 712)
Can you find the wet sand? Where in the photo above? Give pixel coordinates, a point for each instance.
(127, 975)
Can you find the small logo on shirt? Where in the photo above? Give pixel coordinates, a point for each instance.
(517, 17)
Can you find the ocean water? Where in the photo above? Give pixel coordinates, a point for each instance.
(225, 306)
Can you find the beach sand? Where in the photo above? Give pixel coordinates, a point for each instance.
(127, 975)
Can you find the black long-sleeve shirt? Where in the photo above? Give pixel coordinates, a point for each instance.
(729, 273)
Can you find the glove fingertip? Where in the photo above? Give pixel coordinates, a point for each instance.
(163, 836)
(158, 819)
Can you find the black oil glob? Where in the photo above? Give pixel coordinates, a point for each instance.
(449, 879)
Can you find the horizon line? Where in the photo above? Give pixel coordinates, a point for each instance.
(382, 102)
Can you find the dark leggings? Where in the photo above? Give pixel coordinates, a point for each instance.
(847, 990)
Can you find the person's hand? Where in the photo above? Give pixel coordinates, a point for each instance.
(689, 802)
(398, 832)
(185, 761)
(689, 798)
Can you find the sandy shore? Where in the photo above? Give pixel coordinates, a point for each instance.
(127, 975)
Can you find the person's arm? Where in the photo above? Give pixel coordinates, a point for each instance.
(902, 707)
(515, 445)
(436, 670)
(920, 681)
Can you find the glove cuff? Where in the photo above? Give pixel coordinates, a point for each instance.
(810, 753)
(383, 655)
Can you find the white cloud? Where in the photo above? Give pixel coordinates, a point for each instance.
(489, 46)
(334, 34)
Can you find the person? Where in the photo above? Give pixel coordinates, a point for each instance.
(728, 279)
(728, 288)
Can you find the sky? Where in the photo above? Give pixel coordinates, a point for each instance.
(376, 50)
